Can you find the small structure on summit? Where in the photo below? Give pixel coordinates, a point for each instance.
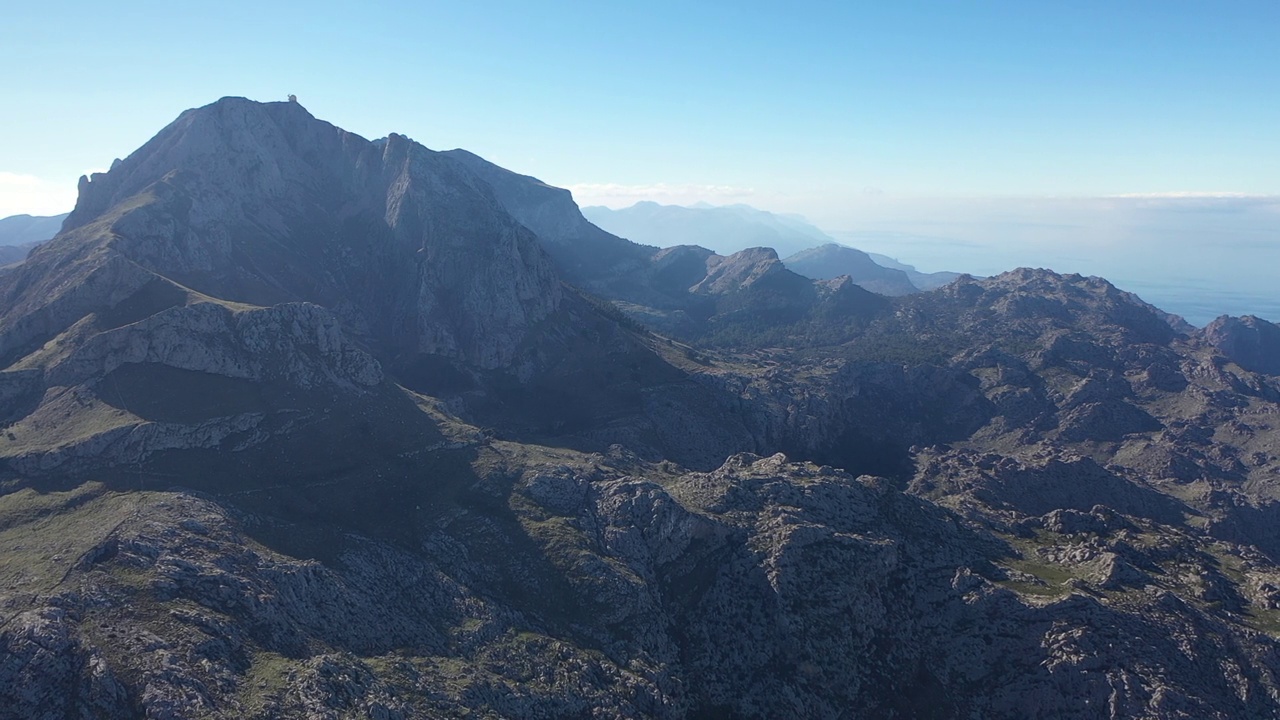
(293, 98)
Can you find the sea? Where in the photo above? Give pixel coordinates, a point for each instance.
(1199, 282)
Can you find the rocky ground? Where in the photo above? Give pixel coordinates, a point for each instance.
(560, 584)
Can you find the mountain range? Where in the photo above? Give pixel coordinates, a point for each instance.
(732, 228)
(830, 261)
(20, 233)
(299, 424)
(723, 229)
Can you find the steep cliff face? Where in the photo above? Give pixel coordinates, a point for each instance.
(263, 204)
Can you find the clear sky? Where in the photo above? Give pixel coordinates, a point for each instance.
(832, 109)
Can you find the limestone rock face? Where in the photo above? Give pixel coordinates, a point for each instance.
(237, 276)
(263, 204)
(297, 343)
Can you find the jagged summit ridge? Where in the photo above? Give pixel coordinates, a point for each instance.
(233, 141)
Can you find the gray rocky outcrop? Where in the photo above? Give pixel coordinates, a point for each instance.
(1251, 342)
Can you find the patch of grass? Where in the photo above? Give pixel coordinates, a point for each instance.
(1229, 564)
(138, 581)
(557, 535)
(27, 505)
(1026, 588)
(1055, 577)
(267, 677)
(1267, 621)
(43, 535)
(1051, 574)
(69, 418)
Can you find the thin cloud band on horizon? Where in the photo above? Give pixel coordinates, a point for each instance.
(1196, 194)
(677, 193)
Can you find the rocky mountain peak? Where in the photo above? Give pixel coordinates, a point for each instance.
(261, 203)
(1249, 341)
(235, 140)
(1040, 297)
(739, 271)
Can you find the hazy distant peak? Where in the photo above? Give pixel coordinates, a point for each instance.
(724, 229)
(832, 260)
(679, 251)
(27, 229)
(739, 271)
(886, 261)
(757, 254)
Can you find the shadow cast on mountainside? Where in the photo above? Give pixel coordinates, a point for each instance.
(631, 397)
(858, 453)
(440, 516)
(162, 393)
(226, 436)
(1257, 525)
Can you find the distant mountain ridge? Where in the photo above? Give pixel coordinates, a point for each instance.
(922, 280)
(730, 228)
(721, 229)
(19, 234)
(830, 261)
(27, 229)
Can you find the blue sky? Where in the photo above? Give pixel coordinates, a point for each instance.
(939, 98)
(837, 110)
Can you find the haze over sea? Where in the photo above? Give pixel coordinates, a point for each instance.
(1199, 256)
